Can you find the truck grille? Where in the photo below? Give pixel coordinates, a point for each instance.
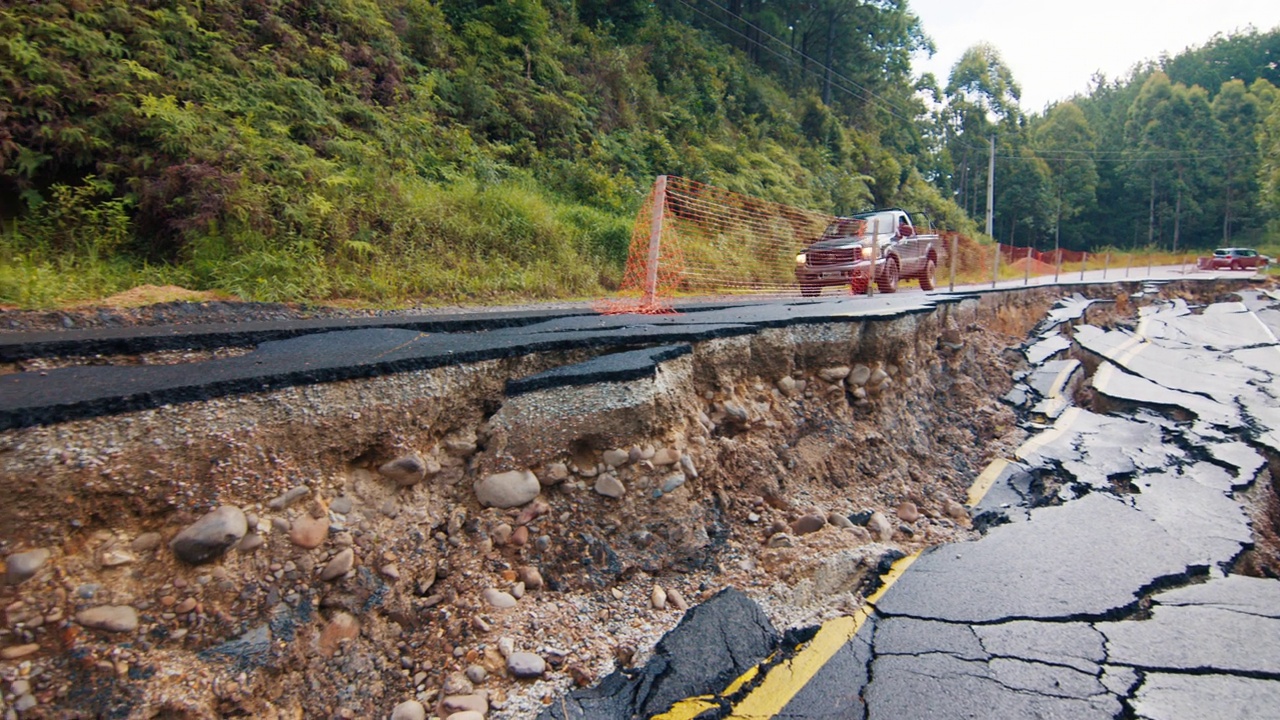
(820, 258)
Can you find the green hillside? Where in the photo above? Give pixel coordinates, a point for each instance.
(389, 150)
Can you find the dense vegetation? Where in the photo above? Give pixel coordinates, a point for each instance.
(1182, 154)
(435, 150)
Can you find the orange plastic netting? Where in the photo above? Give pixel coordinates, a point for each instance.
(693, 239)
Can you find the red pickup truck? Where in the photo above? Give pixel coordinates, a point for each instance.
(842, 255)
(1235, 259)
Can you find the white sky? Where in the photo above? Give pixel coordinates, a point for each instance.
(1054, 47)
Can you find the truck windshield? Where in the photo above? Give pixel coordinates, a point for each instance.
(888, 221)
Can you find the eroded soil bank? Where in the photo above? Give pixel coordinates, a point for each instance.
(360, 568)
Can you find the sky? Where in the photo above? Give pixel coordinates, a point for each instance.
(1054, 48)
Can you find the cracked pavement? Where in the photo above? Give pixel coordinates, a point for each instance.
(1103, 585)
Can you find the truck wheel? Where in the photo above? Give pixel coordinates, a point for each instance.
(810, 290)
(927, 281)
(887, 282)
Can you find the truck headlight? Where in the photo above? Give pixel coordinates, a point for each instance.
(801, 259)
(866, 253)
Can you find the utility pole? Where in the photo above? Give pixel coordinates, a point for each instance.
(991, 188)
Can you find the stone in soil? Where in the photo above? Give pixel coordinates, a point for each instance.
(466, 715)
(339, 565)
(808, 524)
(308, 532)
(781, 540)
(342, 505)
(672, 481)
(508, 489)
(530, 576)
(289, 497)
(859, 375)
(146, 542)
(658, 598)
(616, 458)
(212, 535)
(879, 527)
(526, 665)
(839, 520)
(834, 374)
(477, 673)
(409, 710)
(665, 456)
(677, 600)
(463, 702)
(341, 627)
(406, 470)
(457, 683)
(22, 566)
(610, 486)
(908, 512)
(555, 474)
(113, 618)
(18, 651)
(498, 599)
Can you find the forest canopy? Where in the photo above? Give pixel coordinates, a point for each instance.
(436, 150)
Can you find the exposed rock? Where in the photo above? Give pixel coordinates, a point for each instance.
(672, 481)
(555, 474)
(498, 599)
(808, 524)
(955, 509)
(308, 532)
(609, 485)
(526, 665)
(406, 470)
(665, 456)
(114, 618)
(185, 606)
(677, 600)
(908, 512)
(477, 673)
(22, 566)
(879, 527)
(457, 683)
(533, 511)
(289, 497)
(339, 565)
(508, 489)
(686, 463)
(616, 458)
(461, 447)
(735, 413)
(466, 715)
(520, 536)
(409, 710)
(658, 598)
(859, 375)
(341, 627)
(781, 540)
(839, 520)
(342, 505)
(878, 376)
(787, 385)
(501, 534)
(18, 651)
(464, 702)
(834, 374)
(210, 536)
(250, 542)
(530, 576)
(146, 542)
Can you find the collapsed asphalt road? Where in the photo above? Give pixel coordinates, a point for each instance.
(1107, 583)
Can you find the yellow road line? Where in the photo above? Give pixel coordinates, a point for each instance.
(1059, 429)
(782, 682)
(984, 481)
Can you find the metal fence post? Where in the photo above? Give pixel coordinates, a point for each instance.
(1106, 264)
(1084, 260)
(952, 287)
(875, 252)
(655, 241)
(995, 272)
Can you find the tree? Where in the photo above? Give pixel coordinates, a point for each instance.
(1238, 113)
(1066, 144)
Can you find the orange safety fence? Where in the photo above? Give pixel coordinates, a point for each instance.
(691, 239)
